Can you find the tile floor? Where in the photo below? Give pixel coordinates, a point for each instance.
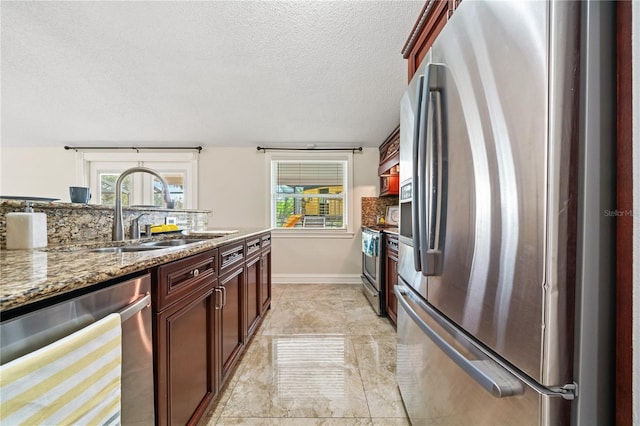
(320, 357)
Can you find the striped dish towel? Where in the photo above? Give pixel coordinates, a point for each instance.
(73, 381)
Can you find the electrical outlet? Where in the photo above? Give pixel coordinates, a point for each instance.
(170, 221)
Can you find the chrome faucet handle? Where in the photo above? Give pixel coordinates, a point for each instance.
(134, 232)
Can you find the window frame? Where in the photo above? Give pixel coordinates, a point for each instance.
(117, 162)
(347, 230)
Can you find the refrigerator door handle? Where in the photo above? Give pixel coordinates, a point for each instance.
(485, 372)
(421, 190)
(415, 210)
(430, 162)
(494, 375)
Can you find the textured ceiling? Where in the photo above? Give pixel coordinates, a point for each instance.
(212, 73)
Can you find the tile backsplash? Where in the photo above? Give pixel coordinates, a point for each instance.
(372, 207)
(69, 223)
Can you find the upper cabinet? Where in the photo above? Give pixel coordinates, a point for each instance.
(432, 19)
(389, 168)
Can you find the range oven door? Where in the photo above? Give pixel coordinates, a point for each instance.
(371, 257)
(371, 269)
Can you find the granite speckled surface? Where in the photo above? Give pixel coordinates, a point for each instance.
(28, 276)
(71, 223)
(375, 206)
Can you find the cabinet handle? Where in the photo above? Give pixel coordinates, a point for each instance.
(216, 306)
(231, 258)
(194, 273)
(224, 296)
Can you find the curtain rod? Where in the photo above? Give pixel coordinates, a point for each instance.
(136, 148)
(265, 149)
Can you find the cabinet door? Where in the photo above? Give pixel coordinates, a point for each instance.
(392, 280)
(265, 279)
(253, 307)
(389, 167)
(185, 367)
(231, 318)
(429, 24)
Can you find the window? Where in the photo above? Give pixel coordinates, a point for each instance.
(310, 192)
(101, 170)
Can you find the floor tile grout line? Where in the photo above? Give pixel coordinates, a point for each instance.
(364, 390)
(347, 298)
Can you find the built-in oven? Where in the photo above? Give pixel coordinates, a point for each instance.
(372, 269)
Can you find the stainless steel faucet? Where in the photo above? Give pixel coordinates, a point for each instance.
(118, 226)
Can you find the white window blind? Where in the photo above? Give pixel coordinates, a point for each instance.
(310, 173)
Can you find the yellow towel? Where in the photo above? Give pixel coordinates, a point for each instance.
(73, 381)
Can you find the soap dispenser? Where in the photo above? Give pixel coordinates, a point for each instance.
(26, 230)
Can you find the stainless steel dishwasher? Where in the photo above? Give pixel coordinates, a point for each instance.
(132, 300)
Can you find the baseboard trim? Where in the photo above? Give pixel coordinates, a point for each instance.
(316, 279)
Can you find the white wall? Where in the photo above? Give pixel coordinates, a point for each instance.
(37, 172)
(233, 185)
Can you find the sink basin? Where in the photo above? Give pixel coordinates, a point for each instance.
(125, 249)
(151, 245)
(171, 243)
(213, 232)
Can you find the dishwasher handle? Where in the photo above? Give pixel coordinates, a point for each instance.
(133, 308)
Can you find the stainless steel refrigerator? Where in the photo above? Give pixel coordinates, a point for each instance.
(505, 270)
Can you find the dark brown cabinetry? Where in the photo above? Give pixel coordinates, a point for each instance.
(265, 273)
(431, 21)
(389, 168)
(206, 307)
(254, 277)
(391, 271)
(231, 285)
(184, 322)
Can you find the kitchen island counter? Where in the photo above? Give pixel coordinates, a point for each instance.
(28, 276)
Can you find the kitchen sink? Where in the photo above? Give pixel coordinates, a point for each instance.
(213, 232)
(172, 243)
(125, 249)
(151, 245)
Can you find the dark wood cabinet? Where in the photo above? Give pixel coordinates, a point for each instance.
(184, 338)
(186, 367)
(231, 320)
(265, 273)
(253, 306)
(431, 21)
(389, 167)
(206, 308)
(231, 284)
(391, 268)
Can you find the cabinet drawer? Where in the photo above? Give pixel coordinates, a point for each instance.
(253, 246)
(230, 256)
(183, 277)
(266, 240)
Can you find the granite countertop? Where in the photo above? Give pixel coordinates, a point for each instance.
(383, 228)
(19, 205)
(28, 276)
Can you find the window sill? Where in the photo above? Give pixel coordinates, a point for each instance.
(311, 233)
